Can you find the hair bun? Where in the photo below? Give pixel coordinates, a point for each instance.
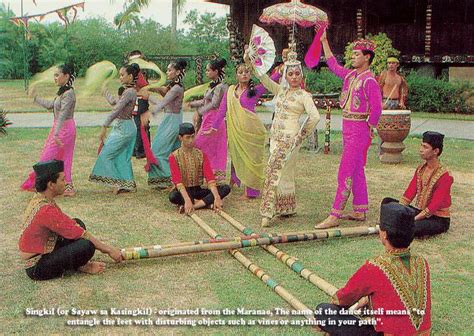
(135, 66)
(222, 62)
(181, 63)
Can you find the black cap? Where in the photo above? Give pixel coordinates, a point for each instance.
(399, 222)
(186, 129)
(48, 168)
(435, 140)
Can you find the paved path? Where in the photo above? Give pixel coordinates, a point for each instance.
(458, 129)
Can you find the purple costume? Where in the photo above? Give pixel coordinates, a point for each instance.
(361, 102)
(249, 104)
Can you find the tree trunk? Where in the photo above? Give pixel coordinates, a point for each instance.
(174, 20)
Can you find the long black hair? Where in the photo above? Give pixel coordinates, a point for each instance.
(219, 65)
(180, 65)
(66, 69)
(132, 69)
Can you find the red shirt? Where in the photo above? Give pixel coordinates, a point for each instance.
(189, 168)
(44, 222)
(395, 288)
(434, 196)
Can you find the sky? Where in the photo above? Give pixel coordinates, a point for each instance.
(158, 10)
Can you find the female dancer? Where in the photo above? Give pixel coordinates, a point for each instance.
(215, 145)
(286, 136)
(114, 166)
(166, 137)
(245, 131)
(61, 139)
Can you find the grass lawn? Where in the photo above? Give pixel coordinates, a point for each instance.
(13, 90)
(215, 280)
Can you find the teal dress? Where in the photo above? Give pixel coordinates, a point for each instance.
(113, 167)
(166, 138)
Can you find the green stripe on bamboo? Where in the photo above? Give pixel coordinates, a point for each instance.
(259, 272)
(288, 260)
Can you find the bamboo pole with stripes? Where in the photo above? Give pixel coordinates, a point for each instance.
(156, 251)
(259, 273)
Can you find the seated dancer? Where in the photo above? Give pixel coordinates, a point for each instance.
(361, 103)
(113, 167)
(396, 281)
(52, 242)
(431, 185)
(189, 166)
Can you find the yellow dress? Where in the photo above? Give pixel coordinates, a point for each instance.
(286, 136)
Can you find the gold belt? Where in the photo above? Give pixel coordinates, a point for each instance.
(355, 116)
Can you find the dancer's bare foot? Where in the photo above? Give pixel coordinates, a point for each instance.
(93, 267)
(331, 221)
(69, 193)
(355, 216)
(265, 222)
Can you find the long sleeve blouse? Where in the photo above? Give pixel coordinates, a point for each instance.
(63, 107)
(123, 108)
(171, 102)
(212, 99)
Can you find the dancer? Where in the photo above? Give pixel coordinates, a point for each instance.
(361, 103)
(113, 167)
(286, 136)
(215, 145)
(396, 281)
(431, 185)
(166, 138)
(62, 137)
(141, 106)
(52, 242)
(189, 166)
(246, 132)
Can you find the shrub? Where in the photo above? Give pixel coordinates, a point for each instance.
(322, 81)
(436, 95)
(383, 50)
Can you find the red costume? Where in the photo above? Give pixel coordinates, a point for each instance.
(44, 222)
(398, 283)
(189, 168)
(433, 192)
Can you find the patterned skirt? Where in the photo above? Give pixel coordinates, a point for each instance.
(164, 143)
(113, 167)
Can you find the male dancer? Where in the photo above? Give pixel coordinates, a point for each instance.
(396, 284)
(51, 242)
(361, 102)
(189, 166)
(431, 185)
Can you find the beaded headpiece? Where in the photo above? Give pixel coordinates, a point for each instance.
(292, 56)
(362, 44)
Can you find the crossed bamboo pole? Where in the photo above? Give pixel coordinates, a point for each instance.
(220, 244)
(285, 258)
(259, 272)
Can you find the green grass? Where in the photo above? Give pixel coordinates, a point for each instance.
(215, 280)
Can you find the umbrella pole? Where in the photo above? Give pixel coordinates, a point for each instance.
(259, 272)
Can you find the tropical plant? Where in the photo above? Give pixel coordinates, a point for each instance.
(383, 50)
(4, 122)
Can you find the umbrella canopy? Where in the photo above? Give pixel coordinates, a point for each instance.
(294, 12)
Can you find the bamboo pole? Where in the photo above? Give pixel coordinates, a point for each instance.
(157, 251)
(259, 273)
(293, 263)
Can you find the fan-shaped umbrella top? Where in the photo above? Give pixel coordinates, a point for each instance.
(294, 12)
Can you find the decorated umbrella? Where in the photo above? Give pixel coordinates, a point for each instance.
(297, 13)
(261, 50)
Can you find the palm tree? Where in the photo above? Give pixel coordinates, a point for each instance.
(133, 7)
